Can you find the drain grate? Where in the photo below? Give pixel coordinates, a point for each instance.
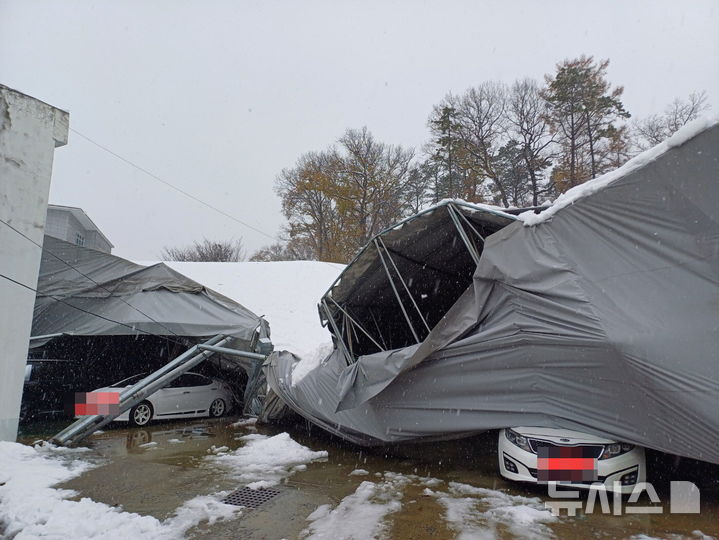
(250, 498)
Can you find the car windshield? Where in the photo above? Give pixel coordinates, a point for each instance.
(129, 381)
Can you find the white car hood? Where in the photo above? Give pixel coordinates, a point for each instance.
(560, 436)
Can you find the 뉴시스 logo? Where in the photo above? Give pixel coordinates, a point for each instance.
(684, 498)
(564, 465)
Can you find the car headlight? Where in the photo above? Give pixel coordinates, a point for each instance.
(615, 449)
(517, 440)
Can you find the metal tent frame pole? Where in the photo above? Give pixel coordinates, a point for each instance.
(358, 325)
(406, 288)
(340, 336)
(463, 234)
(396, 292)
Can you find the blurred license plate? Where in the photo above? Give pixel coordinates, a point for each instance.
(566, 464)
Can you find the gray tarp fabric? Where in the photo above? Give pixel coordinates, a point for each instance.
(101, 294)
(602, 319)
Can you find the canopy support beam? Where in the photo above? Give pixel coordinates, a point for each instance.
(356, 324)
(411, 297)
(396, 292)
(339, 335)
(463, 234)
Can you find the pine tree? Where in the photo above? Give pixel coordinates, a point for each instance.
(584, 113)
(443, 150)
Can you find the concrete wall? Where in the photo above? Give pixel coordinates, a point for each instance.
(29, 132)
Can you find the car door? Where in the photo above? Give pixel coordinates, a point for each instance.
(201, 393)
(175, 399)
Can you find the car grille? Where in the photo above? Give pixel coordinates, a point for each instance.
(593, 450)
(601, 479)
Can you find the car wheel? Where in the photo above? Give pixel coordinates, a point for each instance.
(141, 414)
(217, 407)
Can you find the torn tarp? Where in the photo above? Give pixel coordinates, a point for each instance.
(602, 319)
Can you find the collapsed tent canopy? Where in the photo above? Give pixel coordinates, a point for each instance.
(407, 277)
(84, 292)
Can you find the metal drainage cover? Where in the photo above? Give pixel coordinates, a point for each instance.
(250, 498)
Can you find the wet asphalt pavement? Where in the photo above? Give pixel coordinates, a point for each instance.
(157, 479)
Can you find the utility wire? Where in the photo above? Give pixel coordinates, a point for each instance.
(57, 299)
(172, 186)
(18, 283)
(83, 275)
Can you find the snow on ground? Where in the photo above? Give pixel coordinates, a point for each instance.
(689, 131)
(472, 512)
(475, 512)
(30, 507)
(244, 422)
(359, 515)
(285, 293)
(265, 461)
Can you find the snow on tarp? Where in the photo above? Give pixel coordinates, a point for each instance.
(592, 186)
(604, 319)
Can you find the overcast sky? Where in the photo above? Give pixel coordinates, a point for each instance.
(216, 97)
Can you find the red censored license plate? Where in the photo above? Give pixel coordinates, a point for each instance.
(566, 464)
(92, 403)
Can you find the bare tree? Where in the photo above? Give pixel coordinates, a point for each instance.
(481, 121)
(371, 183)
(655, 128)
(206, 251)
(308, 205)
(337, 199)
(281, 251)
(417, 188)
(529, 124)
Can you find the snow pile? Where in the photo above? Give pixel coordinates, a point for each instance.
(31, 508)
(692, 129)
(360, 515)
(244, 423)
(265, 461)
(477, 512)
(285, 293)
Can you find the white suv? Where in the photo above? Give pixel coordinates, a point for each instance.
(521, 448)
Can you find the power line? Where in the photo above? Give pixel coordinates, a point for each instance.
(168, 184)
(172, 186)
(18, 283)
(92, 313)
(83, 275)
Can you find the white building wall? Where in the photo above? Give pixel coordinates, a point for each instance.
(56, 223)
(29, 132)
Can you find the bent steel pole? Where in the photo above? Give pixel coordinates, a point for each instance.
(358, 325)
(470, 225)
(340, 336)
(411, 297)
(139, 391)
(396, 292)
(463, 234)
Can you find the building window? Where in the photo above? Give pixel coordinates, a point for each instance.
(79, 239)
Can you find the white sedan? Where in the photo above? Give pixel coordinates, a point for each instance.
(191, 395)
(617, 465)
